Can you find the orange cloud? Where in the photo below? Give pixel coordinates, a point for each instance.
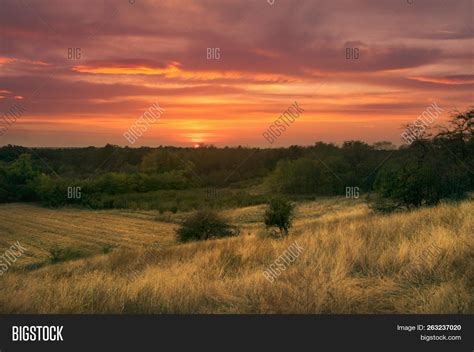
(175, 70)
(6, 60)
(445, 80)
(128, 69)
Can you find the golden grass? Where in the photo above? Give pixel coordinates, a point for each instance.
(40, 229)
(353, 262)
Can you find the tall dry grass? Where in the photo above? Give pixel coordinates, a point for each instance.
(350, 264)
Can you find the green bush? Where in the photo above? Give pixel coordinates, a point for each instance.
(17, 180)
(279, 214)
(204, 225)
(51, 192)
(107, 248)
(57, 255)
(414, 182)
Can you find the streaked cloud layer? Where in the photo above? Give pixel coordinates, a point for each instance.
(133, 55)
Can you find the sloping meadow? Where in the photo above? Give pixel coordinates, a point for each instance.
(357, 262)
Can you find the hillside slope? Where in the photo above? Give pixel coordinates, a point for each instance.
(352, 261)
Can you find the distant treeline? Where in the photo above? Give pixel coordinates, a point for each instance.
(431, 168)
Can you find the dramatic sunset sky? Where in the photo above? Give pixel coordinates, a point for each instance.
(139, 52)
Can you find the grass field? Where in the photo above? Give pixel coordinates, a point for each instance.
(353, 261)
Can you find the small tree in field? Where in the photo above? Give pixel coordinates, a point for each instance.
(279, 214)
(205, 225)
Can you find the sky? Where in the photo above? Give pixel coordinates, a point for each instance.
(136, 54)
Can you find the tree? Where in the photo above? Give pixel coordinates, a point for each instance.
(161, 160)
(300, 176)
(279, 214)
(51, 192)
(456, 140)
(19, 176)
(430, 169)
(205, 225)
(460, 127)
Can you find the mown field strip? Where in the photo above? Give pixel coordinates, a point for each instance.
(40, 229)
